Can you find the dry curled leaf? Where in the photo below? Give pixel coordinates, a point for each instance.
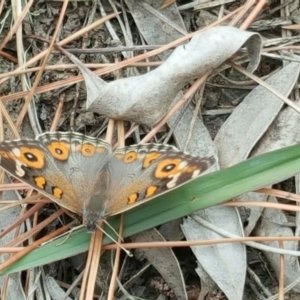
(146, 98)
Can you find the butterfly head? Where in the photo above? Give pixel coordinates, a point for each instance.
(90, 222)
(94, 213)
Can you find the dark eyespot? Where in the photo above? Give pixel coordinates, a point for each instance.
(130, 157)
(58, 151)
(168, 168)
(30, 157)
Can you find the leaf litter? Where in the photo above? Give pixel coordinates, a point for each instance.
(224, 89)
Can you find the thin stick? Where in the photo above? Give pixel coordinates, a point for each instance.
(281, 273)
(253, 14)
(58, 112)
(9, 120)
(115, 241)
(107, 223)
(110, 131)
(26, 235)
(112, 286)
(18, 22)
(87, 268)
(96, 253)
(34, 245)
(121, 134)
(44, 63)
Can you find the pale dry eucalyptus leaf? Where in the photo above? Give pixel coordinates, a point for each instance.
(197, 138)
(207, 284)
(171, 230)
(273, 223)
(201, 144)
(256, 118)
(248, 123)
(137, 292)
(275, 134)
(217, 261)
(250, 120)
(7, 217)
(145, 99)
(282, 133)
(252, 213)
(14, 288)
(164, 261)
(53, 289)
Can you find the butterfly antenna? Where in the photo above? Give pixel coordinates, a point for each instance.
(117, 234)
(68, 234)
(115, 241)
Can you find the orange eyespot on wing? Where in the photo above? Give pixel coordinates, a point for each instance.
(87, 149)
(130, 157)
(149, 158)
(59, 150)
(133, 198)
(57, 192)
(167, 167)
(151, 190)
(30, 157)
(40, 182)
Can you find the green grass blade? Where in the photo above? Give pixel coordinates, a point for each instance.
(203, 192)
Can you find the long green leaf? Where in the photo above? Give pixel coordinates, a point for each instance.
(200, 193)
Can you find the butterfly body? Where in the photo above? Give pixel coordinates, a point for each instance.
(84, 174)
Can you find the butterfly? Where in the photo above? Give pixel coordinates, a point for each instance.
(85, 175)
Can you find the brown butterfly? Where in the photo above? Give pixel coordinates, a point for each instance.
(84, 174)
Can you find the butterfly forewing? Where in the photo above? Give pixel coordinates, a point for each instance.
(29, 161)
(62, 166)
